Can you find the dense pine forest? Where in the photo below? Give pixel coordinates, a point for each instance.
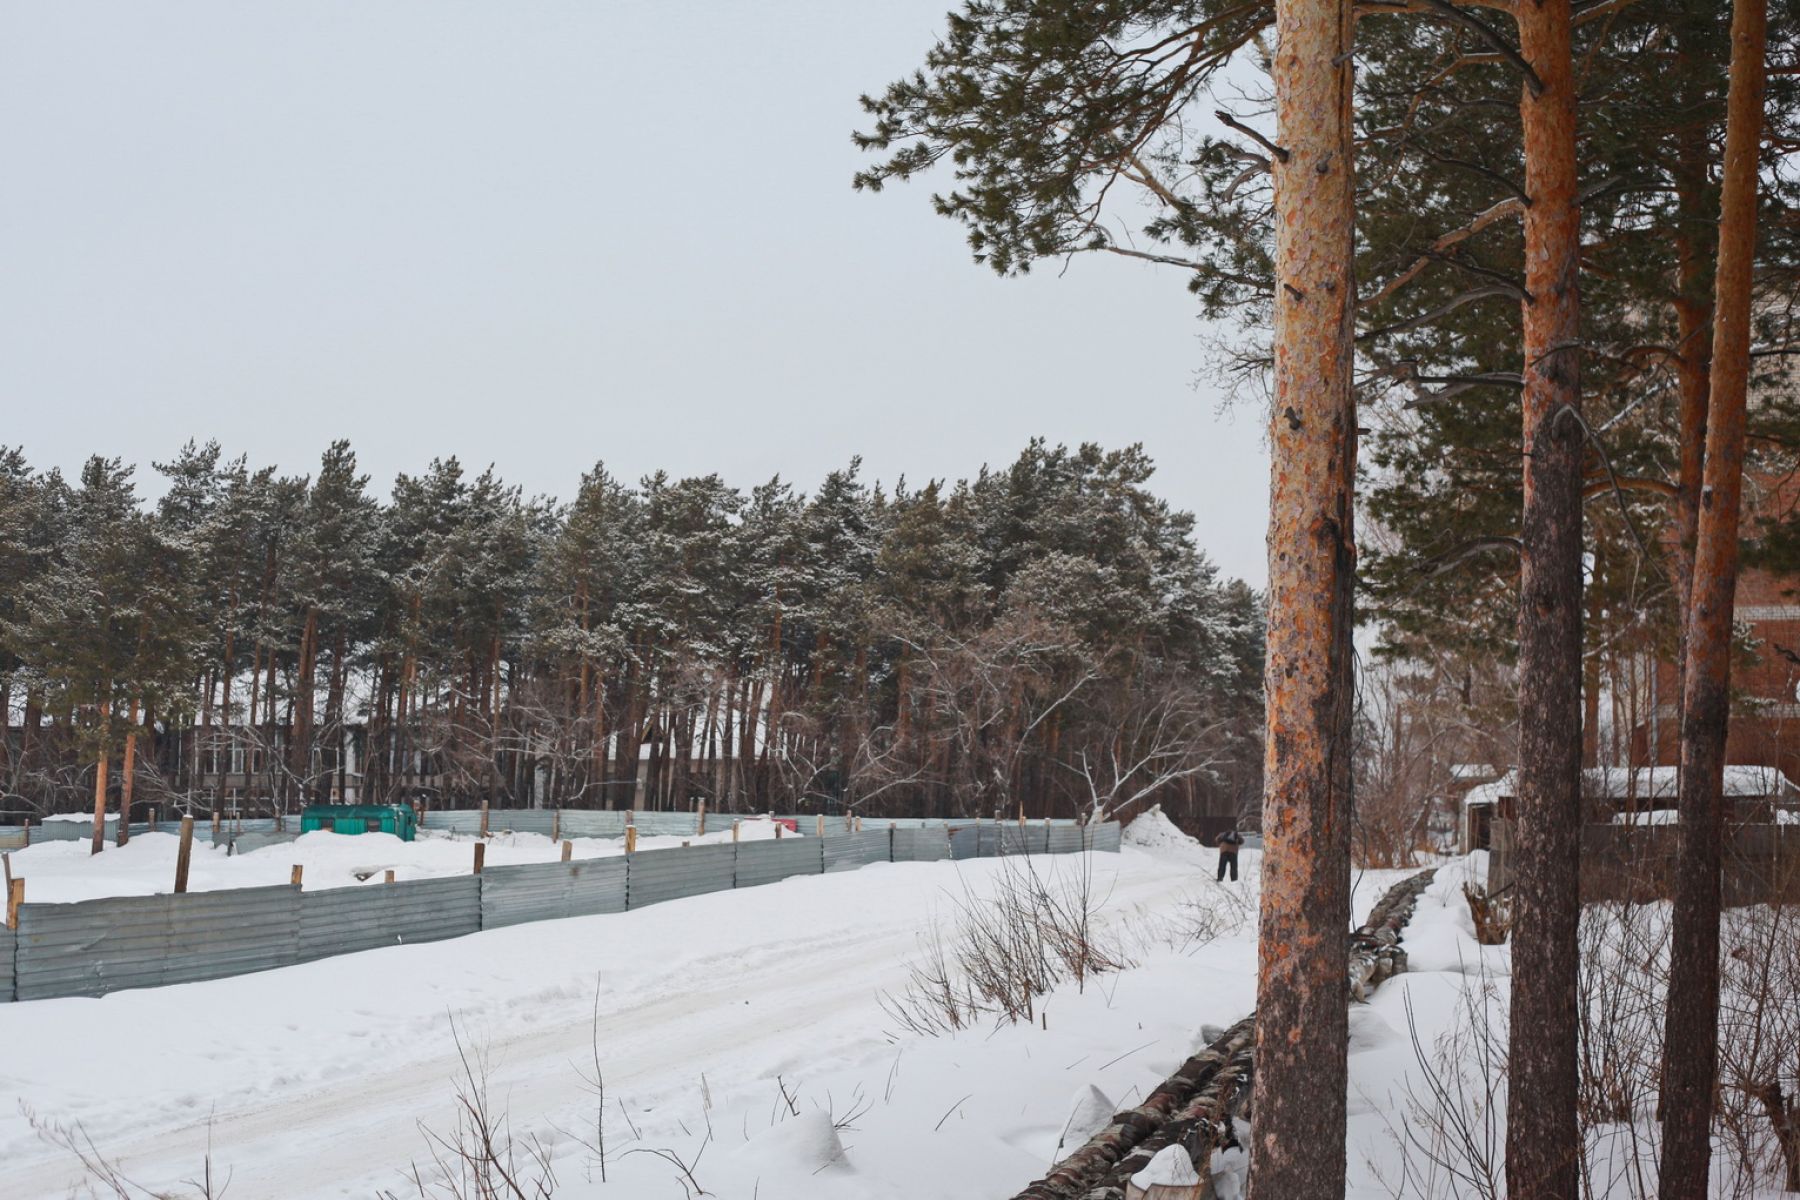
(1046, 638)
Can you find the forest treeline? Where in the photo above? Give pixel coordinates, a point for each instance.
(1047, 638)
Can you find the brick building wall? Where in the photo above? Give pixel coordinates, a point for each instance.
(1765, 715)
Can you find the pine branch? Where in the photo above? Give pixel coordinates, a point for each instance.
(1492, 37)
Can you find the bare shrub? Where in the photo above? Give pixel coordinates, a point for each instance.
(1491, 912)
(478, 1158)
(593, 1081)
(1759, 1044)
(1005, 951)
(1621, 995)
(1450, 1130)
(1197, 920)
(106, 1179)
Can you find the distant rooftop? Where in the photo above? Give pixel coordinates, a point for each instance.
(1647, 783)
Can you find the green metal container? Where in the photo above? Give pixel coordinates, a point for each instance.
(396, 819)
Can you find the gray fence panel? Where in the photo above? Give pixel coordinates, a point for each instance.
(533, 892)
(1023, 839)
(62, 831)
(846, 852)
(1065, 839)
(653, 876)
(549, 891)
(202, 828)
(666, 824)
(14, 837)
(216, 934)
(591, 823)
(965, 842)
(343, 921)
(91, 947)
(1103, 837)
(244, 843)
(429, 910)
(921, 845)
(453, 820)
(6, 965)
(596, 885)
(522, 820)
(767, 862)
(230, 829)
(808, 823)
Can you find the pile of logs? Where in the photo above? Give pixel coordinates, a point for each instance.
(1194, 1108)
(1375, 950)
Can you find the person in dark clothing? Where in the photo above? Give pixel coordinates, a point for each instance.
(1228, 843)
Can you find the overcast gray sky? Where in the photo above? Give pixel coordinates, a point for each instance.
(542, 234)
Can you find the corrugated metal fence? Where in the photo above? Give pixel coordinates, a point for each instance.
(548, 891)
(584, 822)
(100, 946)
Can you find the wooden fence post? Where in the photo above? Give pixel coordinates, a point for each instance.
(294, 878)
(15, 896)
(184, 856)
(568, 851)
(389, 878)
(556, 824)
(484, 820)
(480, 855)
(216, 822)
(631, 839)
(779, 826)
(702, 829)
(736, 828)
(821, 824)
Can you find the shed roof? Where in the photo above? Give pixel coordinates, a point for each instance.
(1648, 783)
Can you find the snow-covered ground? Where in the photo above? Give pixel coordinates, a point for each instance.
(318, 1080)
(58, 872)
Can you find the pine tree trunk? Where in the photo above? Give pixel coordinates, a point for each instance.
(226, 663)
(494, 754)
(6, 763)
(599, 736)
(334, 720)
(1543, 1144)
(1696, 242)
(100, 778)
(1590, 710)
(1691, 1023)
(1297, 1144)
(128, 777)
(300, 751)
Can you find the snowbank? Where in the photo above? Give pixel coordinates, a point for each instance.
(1152, 830)
(61, 872)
